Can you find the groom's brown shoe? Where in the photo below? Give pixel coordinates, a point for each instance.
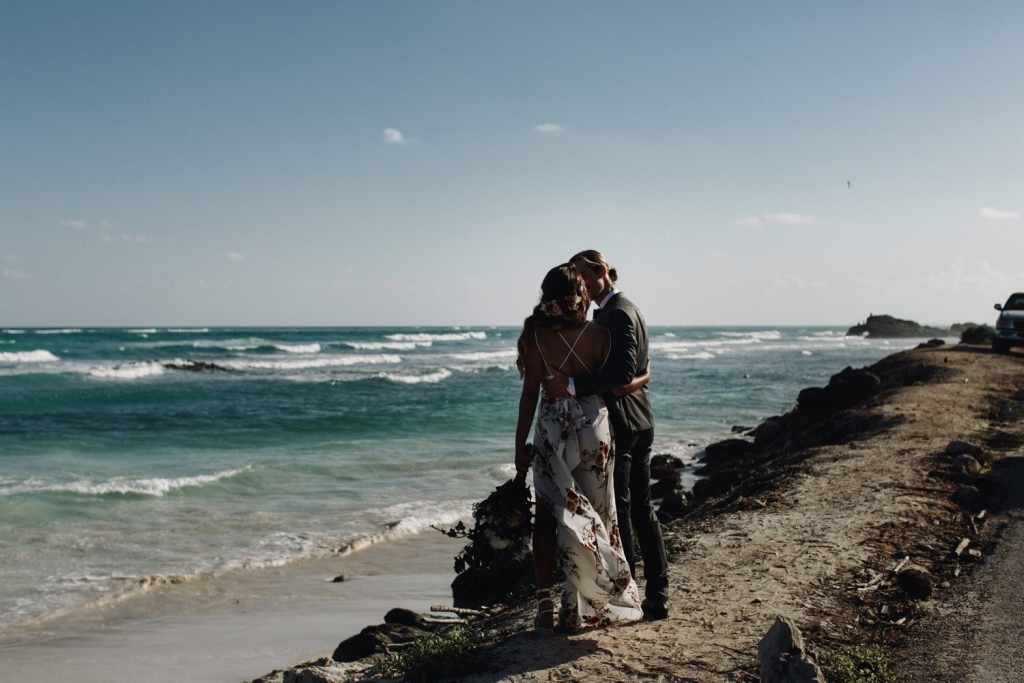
(653, 612)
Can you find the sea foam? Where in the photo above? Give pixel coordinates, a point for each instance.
(67, 330)
(304, 363)
(447, 336)
(128, 371)
(298, 348)
(391, 346)
(156, 487)
(37, 356)
(429, 378)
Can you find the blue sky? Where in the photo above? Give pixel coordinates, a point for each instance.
(367, 163)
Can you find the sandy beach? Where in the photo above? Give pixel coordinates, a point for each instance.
(234, 626)
(857, 492)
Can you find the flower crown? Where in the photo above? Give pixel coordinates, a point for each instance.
(552, 309)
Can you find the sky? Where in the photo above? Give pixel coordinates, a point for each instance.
(426, 163)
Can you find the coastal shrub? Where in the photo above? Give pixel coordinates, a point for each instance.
(856, 665)
(433, 657)
(676, 546)
(980, 334)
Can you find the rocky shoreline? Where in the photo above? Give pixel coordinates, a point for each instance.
(854, 516)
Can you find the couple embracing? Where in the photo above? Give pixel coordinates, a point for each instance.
(593, 438)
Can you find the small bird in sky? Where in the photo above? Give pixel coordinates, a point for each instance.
(847, 184)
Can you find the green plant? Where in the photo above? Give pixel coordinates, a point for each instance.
(676, 546)
(433, 657)
(856, 665)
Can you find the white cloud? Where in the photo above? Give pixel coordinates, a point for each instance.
(138, 239)
(748, 222)
(107, 237)
(13, 274)
(791, 218)
(393, 137)
(550, 128)
(234, 256)
(77, 225)
(996, 214)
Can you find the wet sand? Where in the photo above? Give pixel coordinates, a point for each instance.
(236, 626)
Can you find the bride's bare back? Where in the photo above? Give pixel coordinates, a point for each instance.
(573, 351)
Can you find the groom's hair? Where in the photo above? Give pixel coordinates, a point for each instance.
(594, 260)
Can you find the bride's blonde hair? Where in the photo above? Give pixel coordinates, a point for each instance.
(563, 305)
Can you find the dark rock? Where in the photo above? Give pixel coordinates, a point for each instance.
(1019, 395)
(406, 617)
(966, 497)
(916, 583)
(673, 506)
(666, 460)
(1006, 440)
(962, 448)
(979, 334)
(1008, 411)
(739, 429)
(196, 366)
(783, 658)
(338, 579)
(665, 472)
(966, 464)
(843, 390)
(729, 447)
(888, 327)
(931, 344)
(374, 639)
(474, 588)
(768, 431)
(665, 487)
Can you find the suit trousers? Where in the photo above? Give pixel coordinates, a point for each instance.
(636, 512)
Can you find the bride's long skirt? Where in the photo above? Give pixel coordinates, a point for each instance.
(572, 475)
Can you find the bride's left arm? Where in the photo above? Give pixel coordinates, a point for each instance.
(534, 372)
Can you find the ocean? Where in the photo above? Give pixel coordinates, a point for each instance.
(118, 474)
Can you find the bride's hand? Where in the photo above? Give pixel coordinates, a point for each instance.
(523, 461)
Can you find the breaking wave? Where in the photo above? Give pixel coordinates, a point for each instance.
(156, 487)
(37, 356)
(448, 336)
(429, 378)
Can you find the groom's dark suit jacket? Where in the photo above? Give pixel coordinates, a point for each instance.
(631, 413)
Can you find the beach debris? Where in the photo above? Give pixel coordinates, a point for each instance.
(461, 611)
(916, 583)
(962, 546)
(966, 464)
(966, 496)
(338, 579)
(957, 447)
(782, 656)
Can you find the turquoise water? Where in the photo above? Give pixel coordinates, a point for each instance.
(117, 473)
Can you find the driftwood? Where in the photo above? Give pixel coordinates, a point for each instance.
(962, 546)
(461, 611)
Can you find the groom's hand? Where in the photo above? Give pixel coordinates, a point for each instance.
(557, 386)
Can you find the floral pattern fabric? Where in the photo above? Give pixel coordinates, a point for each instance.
(572, 476)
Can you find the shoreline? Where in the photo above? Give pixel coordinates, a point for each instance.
(811, 527)
(235, 625)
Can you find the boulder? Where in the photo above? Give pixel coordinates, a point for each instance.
(406, 617)
(931, 344)
(966, 464)
(673, 506)
(783, 658)
(979, 334)
(374, 639)
(962, 448)
(916, 583)
(315, 674)
(666, 460)
(665, 487)
(966, 497)
(729, 448)
(768, 431)
(1019, 395)
(844, 389)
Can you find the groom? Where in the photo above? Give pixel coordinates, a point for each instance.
(632, 423)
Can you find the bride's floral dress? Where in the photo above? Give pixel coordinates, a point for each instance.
(572, 475)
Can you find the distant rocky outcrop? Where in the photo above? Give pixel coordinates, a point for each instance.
(888, 327)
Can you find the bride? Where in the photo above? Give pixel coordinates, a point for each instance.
(572, 463)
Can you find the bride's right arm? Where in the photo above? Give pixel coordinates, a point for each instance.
(534, 371)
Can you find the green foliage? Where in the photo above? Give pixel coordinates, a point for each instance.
(433, 657)
(856, 665)
(676, 546)
(503, 524)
